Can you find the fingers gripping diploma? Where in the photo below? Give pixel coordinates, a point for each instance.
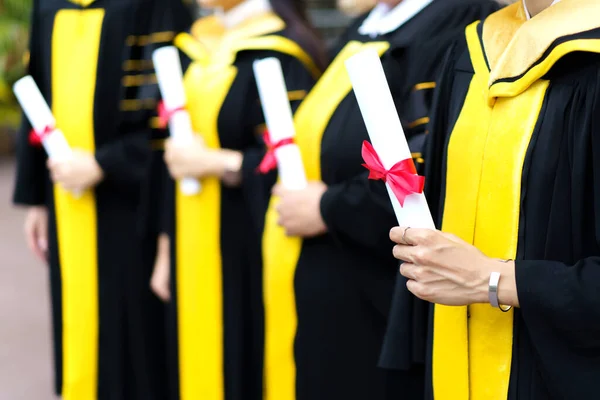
(441, 268)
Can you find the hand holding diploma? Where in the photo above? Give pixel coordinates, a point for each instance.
(172, 111)
(299, 200)
(74, 172)
(440, 267)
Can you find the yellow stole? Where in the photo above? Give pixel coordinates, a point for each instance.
(75, 46)
(198, 218)
(280, 252)
(472, 355)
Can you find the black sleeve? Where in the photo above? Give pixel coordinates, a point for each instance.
(559, 302)
(257, 187)
(32, 175)
(125, 160)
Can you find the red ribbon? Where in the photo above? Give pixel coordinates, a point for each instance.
(165, 115)
(402, 177)
(36, 137)
(269, 162)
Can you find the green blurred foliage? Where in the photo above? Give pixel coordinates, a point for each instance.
(14, 39)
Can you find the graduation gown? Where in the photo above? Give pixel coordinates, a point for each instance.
(91, 60)
(512, 167)
(215, 234)
(323, 340)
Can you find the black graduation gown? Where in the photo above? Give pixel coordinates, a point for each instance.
(344, 279)
(516, 132)
(215, 235)
(92, 64)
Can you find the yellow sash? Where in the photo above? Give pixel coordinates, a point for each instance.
(75, 46)
(472, 356)
(280, 252)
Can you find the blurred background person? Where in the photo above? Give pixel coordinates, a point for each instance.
(328, 241)
(91, 62)
(212, 249)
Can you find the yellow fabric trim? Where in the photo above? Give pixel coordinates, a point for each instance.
(472, 356)
(198, 249)
(136, 105)
(74, 84)
(83, 3)
(144, 40)
(296, 95)
(514, 45)
(418, 122)
(191, 47)
(139, 80)
(424, 86)
(137, 65)
(282, 45)
(280, 252)
(509, 89)
(218, 40)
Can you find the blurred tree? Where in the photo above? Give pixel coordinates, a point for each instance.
(14, 38)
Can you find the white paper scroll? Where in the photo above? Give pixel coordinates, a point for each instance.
(170, 81)
(280, 123)
(40, 117)
(385, 131)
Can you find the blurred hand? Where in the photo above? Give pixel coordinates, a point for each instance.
(300, 210)
(77, 173)
(36, 231)
(160, 283)
(192, 159)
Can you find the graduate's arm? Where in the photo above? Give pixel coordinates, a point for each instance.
(31, 173)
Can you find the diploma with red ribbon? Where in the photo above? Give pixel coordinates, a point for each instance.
(171, 111)
(389, 158)
(282, 152)
(43, 123)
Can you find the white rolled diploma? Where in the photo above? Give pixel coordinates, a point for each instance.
(385, 131)
(279, 120)
(40, 117)
(170, 81)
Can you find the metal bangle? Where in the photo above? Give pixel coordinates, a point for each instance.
(493, 291)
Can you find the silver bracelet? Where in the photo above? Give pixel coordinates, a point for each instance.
(493, 291)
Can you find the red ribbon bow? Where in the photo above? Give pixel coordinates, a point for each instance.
(36, 137)
(165, 115)
(402, 177)
(269, 162)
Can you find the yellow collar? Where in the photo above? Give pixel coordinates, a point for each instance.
(213, 35)
(520, 51)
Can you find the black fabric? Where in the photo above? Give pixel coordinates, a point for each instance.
(130, 348)
(556, 346)
(345, 279)
(240, 125)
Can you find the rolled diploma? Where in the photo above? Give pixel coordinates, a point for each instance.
(39, 115)
(280, 122)
(385, 131)
(170, 81)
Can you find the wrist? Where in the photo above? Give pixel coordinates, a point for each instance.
(230, 167)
